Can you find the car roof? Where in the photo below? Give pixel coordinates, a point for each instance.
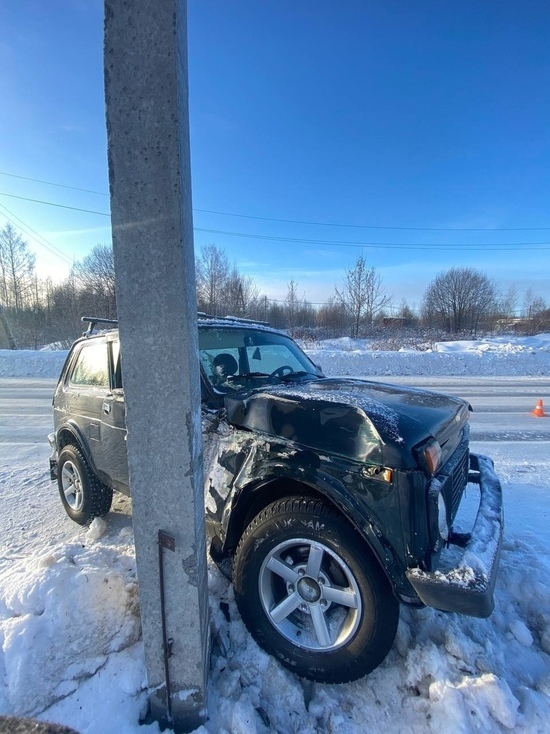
(204, 321)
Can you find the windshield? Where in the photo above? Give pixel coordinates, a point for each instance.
(233, 359)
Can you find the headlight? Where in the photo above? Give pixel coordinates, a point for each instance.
(442, 524)
(429, 456)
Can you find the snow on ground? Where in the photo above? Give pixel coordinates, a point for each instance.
(30, 363)
(69, 613)
(503, 356)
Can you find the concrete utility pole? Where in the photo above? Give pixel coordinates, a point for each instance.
(149, 170)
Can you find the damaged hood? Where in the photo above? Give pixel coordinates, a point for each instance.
(367, 421)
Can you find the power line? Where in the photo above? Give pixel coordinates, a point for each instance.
(507, 246)
(333, 243)
(51, 203)
(294, 221)
(373, 226)
(41, 240)
(51, 183)
(45, 244)
(385, 245)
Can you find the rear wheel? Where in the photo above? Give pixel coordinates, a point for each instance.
(82, 494)
(312, 594)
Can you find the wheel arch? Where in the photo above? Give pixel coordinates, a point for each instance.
(70, 433)
(253, 498)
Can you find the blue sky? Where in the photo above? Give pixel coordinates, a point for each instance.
(412, 123)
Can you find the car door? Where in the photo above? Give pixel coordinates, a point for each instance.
(84, 391)
(115, 456)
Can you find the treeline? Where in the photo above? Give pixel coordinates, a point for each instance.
(461, 301)
(35, 311)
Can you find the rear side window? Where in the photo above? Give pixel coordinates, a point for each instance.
(91, 366)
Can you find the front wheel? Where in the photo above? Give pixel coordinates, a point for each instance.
(312, 594)
(82, 494)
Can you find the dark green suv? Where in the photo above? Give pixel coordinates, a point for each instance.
(328, 501)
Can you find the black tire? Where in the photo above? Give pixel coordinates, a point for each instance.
(298, 571)
(82, 494)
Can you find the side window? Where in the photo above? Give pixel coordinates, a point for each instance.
(91, 368)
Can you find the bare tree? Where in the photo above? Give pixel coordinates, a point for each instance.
(65, 310)
(240, 295)
(16, 268)
(361, 294)
(297, 310)
(333, 317)
(213, 272)
(276, 315)
(458, 299)
(292, 304)
(535, 312)
(221, 289)
(533, 304)
(508, 303)
(95, 280)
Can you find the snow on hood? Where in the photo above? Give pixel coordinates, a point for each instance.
(358, 419)
(345, 393)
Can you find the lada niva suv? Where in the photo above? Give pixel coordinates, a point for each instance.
(328, 501)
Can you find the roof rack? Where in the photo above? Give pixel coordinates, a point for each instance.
(239, 319)
(92, 321)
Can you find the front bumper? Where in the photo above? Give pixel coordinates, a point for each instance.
(468, 587)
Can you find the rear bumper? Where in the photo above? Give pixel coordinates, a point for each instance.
(468, 587)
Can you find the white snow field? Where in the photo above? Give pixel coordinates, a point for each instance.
(69, 607)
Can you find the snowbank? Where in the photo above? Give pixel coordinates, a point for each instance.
(28, 363)
(64, 611)
(69, 627)
(503, 356)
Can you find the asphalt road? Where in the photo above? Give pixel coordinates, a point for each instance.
(32, 516)
(25, 410)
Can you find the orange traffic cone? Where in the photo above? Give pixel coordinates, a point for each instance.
(539, 410)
